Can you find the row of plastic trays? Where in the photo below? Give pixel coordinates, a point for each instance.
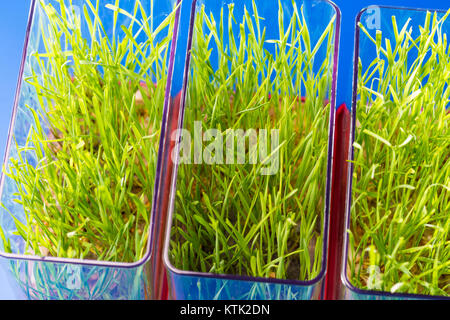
(155, 276)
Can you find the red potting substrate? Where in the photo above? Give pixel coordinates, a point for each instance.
(333, 283)
(160, 281)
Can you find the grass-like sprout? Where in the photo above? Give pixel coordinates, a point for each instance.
(229, 218)
(85, 176)
(399, 237)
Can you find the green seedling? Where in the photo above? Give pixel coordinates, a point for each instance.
(85, 176)
(229, 217)
(399, 239)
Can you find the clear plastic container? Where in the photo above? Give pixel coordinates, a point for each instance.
(375, 19)
(34, 277)
(188, 284)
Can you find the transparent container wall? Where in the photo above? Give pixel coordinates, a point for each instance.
(318, 16)
(375, 19)
(41, 280)
(355, 294)
(58, 278)
(191, 287)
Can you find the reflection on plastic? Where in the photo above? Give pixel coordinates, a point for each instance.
(203, 288)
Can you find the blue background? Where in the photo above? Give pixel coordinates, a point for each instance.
(13, 22)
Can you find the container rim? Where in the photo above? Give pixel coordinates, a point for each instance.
(168, 264)
(344, 277)
(86, 262)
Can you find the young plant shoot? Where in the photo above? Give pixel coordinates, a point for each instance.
(85, 176)
(399, 232)
(257, 211)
